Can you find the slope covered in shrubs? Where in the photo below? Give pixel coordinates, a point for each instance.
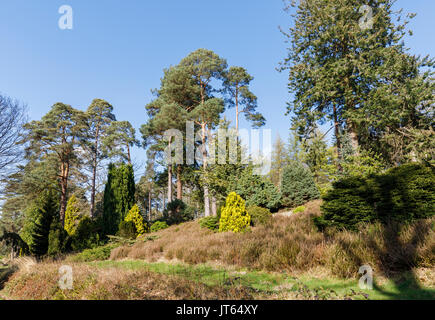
(402, 194)
(294, 244)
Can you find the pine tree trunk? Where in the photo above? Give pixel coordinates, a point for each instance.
(128, 154)
(170, 183)
(354, 139)
(149, 205)
(64, 189)
(204, 160)
(93, 190)
(213, 206)
(179, 184)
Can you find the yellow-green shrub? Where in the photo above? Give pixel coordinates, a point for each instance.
(72, 215)
(135, 217)
(234, 216)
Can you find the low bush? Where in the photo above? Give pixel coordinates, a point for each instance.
(158, 225)
(401, 194)
(135, 217)
(57, 239)
(127, 230)
(95, 254)
(211, 223)
(234, 216)
(259, 215)
(177, 212)
(86, 235)
(299, 209)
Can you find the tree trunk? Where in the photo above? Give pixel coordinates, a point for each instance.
(204, 164)
(237, 110)
(353, 138)
(213, 206)
(128, 154)
(169, 183)
(149, 205)
(64, 190)
(94, 172)
(179, 184)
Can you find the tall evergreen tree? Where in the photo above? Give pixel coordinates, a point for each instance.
(120, 138)
(204, 66)
(57, 136)
(356, 74)
(119, 196)
(280, 159)
(236, 86)
(39, 218)
(99, 117)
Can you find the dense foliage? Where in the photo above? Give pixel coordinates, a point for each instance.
(403, 194)
(211, 223)
(38, 221)
(72, 215)
(158, 225)
(298, 186)
(257, 191)
(118, 196)
(127, 229)
(234, 216)
(259, 215)
(135, 216)
(177, 212)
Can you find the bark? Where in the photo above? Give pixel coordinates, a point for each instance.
(170, 183)
(213, 206)
(204, 160)
(179, 184)
(128, 154)
(237, 110)
(337, 137)
(64, 190)
(353, 138)
(149, 205)
(94, 175)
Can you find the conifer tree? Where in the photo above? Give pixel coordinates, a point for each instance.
(118, 196)
(72, 215)
(236, 86)
(57, 136)
(355, 71)
(99, 117)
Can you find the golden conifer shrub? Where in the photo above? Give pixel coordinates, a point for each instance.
(234, 216)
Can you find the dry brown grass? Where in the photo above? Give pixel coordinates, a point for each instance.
(293, 244)
(90, 283)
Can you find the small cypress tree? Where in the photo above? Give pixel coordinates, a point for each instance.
(298, 186)
(135, 217)
(72, 215)
(234, 216)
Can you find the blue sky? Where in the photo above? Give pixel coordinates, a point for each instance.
(118, 49)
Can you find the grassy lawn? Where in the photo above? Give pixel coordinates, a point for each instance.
(269, 283)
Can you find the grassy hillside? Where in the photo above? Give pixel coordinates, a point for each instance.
(285, 259)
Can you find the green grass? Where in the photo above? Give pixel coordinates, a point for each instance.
(271, 282)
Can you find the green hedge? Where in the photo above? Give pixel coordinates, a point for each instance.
(259, 215)
(402, 194)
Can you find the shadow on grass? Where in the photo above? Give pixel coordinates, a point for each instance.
(397, 258)
(5, 273)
